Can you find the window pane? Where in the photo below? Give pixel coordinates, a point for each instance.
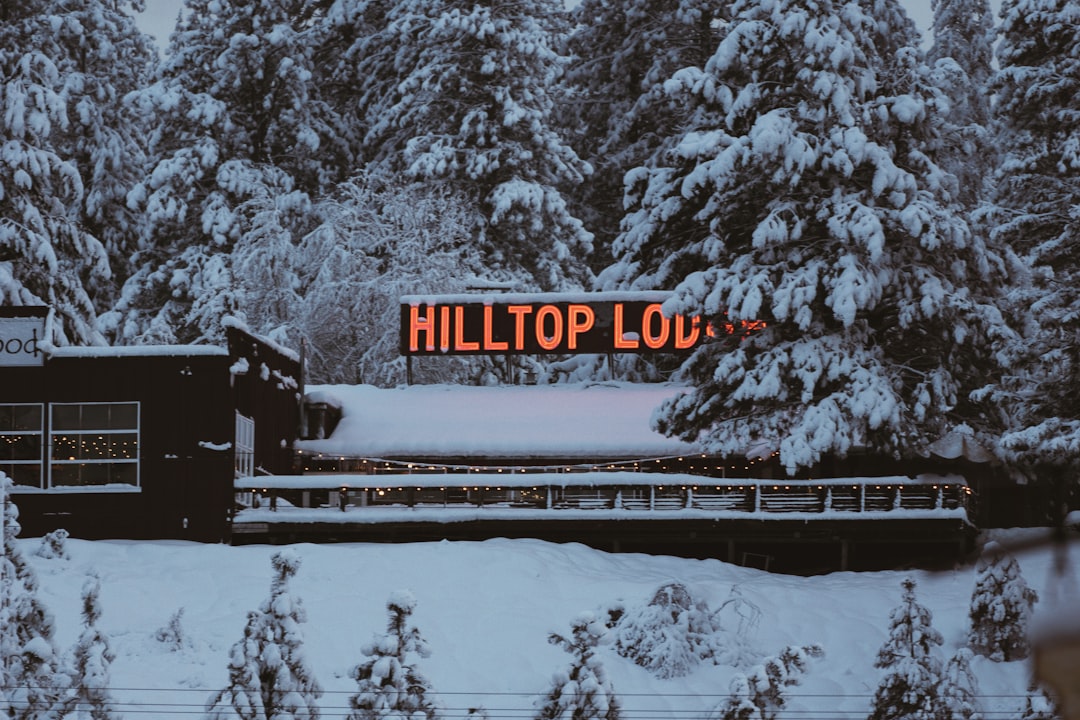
(65, 417)
(94, 417)
(65, 447)
(123, 416)
(65, 475)
(89, 446)
(26, 417)
(20, 447)
(126, 473)
(28, 475)
(20, 417)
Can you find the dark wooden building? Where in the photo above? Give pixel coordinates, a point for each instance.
(139, 442)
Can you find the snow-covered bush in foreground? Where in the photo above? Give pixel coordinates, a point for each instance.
(389, 685)
(909, 690)
(88, 687)
(172, 634)
(583, 691)
(760, 693)
(669, 636)
(28, 674)
(1001, 605)
(53, 545)
(269, 677)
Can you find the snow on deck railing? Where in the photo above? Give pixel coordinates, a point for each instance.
(938, 495)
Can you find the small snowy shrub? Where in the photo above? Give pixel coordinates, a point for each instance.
(760, 692)
(29, 676)
(87, 693)
(172, 633)
(738, 620)
(909, 690)
(958, 691)
(269, 676)
(1001, 605)
(1038, 705)
(583, 691)
(53, 545)
(669, 636)
(388, 682)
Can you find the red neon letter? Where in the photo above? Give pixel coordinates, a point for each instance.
(490, 344)
(419, 325)
(519, 312)
(622, 343)
(654, 341)
(459, 332)
(444, 328)
(556, 333)
(685, 340)
(580, 318)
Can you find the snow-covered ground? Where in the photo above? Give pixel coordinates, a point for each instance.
(486, 610)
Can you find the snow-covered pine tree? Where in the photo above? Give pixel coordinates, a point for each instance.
(962, 58)
(909, 690)
(583, 691)
(236, 120)
(389, 684)
(802, 195)
(29, 677)
(269, 676)
(47, 256)
(101, 56)
(87, 688)
(613, 102)
(958, 691)
(1035, 212)
(669, 636)
(460, 92)
(760, 693)
(1001, 605)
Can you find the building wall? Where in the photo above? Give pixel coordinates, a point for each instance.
(185, 446)
(266, 387)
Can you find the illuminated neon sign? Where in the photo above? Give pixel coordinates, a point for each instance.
(556, 323)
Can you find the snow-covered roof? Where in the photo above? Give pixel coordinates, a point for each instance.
(594, 479)
(595, 420)
(139, 351)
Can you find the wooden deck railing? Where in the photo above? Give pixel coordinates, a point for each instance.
(622, 492)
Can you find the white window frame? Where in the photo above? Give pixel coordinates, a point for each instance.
(54, 433)
(245, 446)
(40, 433)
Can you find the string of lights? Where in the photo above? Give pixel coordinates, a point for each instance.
(702, 463)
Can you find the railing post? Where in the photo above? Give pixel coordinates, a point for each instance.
(939, 502)
(548, 497)
(862, 497)
(756, 489)
(689, 498)
(828, 499)
(652, 497)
